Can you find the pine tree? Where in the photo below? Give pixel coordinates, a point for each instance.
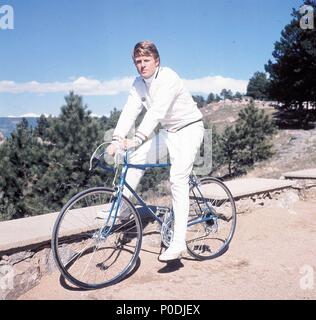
(22, 164)
(111, 121)
(72, 137)
(254, 129)
(238, 95)
(200, 101)
(257, 86)
(248, 141)
(293, 70)
(210, 98)
(217, 150)
(227, 94)
(230, 147)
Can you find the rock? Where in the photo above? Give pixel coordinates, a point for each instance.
(45, 261)
(6, 280)
(288, 199)
(245, 205)
(16, 280)
(310, 193)
(20, 256)
(22, 271)
(283, 199)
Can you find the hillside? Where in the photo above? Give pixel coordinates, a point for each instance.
(225, 112)
(294, 149)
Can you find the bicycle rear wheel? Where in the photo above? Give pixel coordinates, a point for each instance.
(212, 219)
(92, 251)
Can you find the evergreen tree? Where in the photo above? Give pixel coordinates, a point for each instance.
(200, 101)
(73, 136)
(22, 164)
(223, 93)
(248, 141)
(238, 95)
(217, 150)
(210, 98)
(111, 121)
(227, 94)
(257, 86)
(254, 129)
(230, 147)
(293, 70)
(41, 127)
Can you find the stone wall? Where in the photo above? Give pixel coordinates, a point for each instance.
(283, 198)
(21, 271)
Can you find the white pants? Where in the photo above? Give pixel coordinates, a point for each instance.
(182, 147)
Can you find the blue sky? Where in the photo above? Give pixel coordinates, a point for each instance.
(86, 46)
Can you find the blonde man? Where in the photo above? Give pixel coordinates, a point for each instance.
(162, 93)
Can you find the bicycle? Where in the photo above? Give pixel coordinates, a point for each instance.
(92, 253)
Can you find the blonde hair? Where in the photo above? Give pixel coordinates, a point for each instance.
(146, 48)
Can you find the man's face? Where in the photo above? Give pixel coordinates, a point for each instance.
(146, 65)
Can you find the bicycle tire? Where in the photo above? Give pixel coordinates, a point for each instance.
(81, 240)
(212, 206)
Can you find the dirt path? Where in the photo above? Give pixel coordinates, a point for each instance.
(272, 256)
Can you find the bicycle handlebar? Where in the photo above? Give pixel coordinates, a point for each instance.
(120, 152)
(119, 155)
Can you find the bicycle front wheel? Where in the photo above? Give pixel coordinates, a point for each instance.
(90, 247)
(212, 219)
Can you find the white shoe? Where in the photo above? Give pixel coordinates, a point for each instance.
(173, 253)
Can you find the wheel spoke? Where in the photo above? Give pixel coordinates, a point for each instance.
(88, 252)
(212, 204)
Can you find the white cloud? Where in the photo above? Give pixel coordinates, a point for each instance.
(81, 85)
(95, 115)
(215, 84)
(30, 115)
(94, 87)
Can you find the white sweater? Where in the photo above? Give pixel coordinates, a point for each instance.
(166, 100)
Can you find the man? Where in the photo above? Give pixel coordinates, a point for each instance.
(162, 93)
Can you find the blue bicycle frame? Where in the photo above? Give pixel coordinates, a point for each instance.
(122, 183)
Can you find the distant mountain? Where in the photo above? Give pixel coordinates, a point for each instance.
(8, 124)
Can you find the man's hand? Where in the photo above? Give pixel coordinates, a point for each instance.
(129, 144)
(112, 149)
(125, 144)
(132, 143)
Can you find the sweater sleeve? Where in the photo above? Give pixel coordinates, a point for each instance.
(165, 95)
(129, 113)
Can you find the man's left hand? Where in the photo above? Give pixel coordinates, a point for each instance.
(129, 144)
(132, 143)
